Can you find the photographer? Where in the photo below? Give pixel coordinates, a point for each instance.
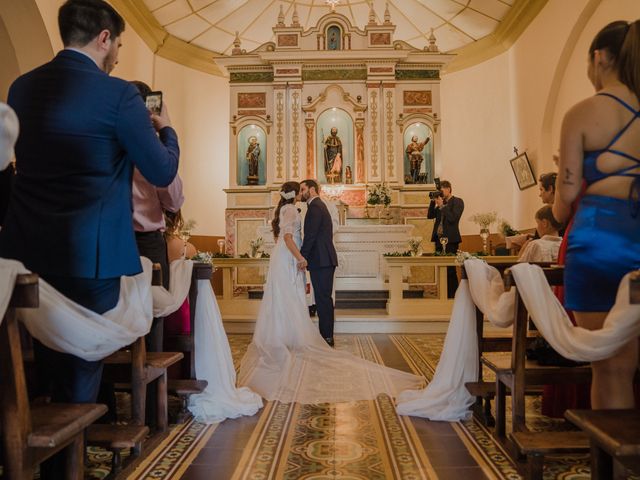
(446, 210)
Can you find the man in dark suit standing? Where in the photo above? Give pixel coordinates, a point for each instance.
(447, 210)
(322, 260)
(69, 216)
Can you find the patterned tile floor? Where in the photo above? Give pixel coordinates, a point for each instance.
(349, 441)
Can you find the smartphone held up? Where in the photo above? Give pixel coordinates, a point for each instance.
(153, 101)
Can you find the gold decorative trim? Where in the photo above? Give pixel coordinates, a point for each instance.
(295, 132)
(310, 126)
(162, 43)
(514, 23)
(279, 133)
(374, 133)
(389, 122)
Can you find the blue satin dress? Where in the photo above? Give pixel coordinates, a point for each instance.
(604, 242)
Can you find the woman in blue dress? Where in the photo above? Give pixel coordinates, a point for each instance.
(600, 145)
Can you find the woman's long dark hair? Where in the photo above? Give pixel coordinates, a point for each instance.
(286, 188)
(622, 41)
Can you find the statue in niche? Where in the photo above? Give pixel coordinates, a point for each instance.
(414, 152)
(333, 38)
(253, 160)
(333, 157)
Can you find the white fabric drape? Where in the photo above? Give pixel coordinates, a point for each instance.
(449, 400)
(621, 325)
(214, 363)
(443, 398)
(65, 326)
(165, 302)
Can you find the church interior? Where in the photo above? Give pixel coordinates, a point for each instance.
(386, 104)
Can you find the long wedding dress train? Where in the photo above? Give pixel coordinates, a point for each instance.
(288, 360)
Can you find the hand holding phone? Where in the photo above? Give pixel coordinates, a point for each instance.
(153, 102)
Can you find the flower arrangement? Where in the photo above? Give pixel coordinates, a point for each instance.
(485, 220)
(507, 230)
(185, 230)
(378, 194)
(462, 256)
(414, 245)
(255, 246)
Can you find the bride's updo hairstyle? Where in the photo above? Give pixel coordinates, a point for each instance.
(621, 40)
(288, 193)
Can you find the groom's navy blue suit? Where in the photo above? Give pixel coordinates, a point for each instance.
(318, 250)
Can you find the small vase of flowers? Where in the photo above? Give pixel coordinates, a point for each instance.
(256, 246)
(415, 245)
(484, 220)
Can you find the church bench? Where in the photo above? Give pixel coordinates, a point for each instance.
(32, 434)
(115, 438)
(138, 368)
(183, 389)
(535, 445)
(494, 342)
(186, 343)
(613, 434)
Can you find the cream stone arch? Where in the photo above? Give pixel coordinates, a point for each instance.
(335, 95)
(238, 124)
(433, 122)
(24, 41)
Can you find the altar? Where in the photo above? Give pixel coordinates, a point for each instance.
(349, 106)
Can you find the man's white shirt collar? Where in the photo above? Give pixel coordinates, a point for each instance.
(83, 53)
(311, 200)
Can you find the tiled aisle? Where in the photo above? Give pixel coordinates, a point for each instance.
(359, 440)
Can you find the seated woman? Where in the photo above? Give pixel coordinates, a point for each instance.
(545, 248)
(178, 323)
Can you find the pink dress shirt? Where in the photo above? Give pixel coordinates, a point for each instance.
(149, 203)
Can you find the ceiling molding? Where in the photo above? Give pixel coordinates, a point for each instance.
(511, 27)
(163, 44)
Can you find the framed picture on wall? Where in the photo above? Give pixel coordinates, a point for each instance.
(523, 171)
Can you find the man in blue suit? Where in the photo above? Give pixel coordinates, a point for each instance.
(322, 260)
(69, 216)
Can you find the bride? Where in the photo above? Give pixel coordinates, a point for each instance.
(288, 360)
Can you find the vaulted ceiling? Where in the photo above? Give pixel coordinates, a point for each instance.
(212, 24)
(194, 32)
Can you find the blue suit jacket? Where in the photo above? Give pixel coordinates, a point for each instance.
(317, 246)
(81, 133)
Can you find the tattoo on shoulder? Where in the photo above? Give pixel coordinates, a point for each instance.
(567, 177)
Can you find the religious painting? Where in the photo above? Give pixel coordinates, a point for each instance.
(334, 38)
(380, 38)
(523, 171)
(252, 155)
(334, 147)
(416, 97)
(252, 100)
(418, 154)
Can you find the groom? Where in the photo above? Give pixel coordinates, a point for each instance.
(318, 250)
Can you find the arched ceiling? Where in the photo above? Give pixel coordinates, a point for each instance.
(194, 32)
(211, 24)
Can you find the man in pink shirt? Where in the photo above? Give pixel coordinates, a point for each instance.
(149, 204)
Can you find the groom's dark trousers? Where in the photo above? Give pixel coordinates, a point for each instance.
(317, 248)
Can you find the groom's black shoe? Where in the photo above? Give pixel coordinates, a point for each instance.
(329, 340)
(312, 310)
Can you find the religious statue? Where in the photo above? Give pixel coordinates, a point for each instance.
(253, 158)
(333, 157)
(348, 175)
(414, 152)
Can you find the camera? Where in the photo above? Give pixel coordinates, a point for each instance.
(437, 192)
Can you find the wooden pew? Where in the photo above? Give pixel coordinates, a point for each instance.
(613, 434)
(187, 384)
(138, 368)
(31, 434)
(516, 374)
(485, 391)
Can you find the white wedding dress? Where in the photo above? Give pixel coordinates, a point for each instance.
(288, 360)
